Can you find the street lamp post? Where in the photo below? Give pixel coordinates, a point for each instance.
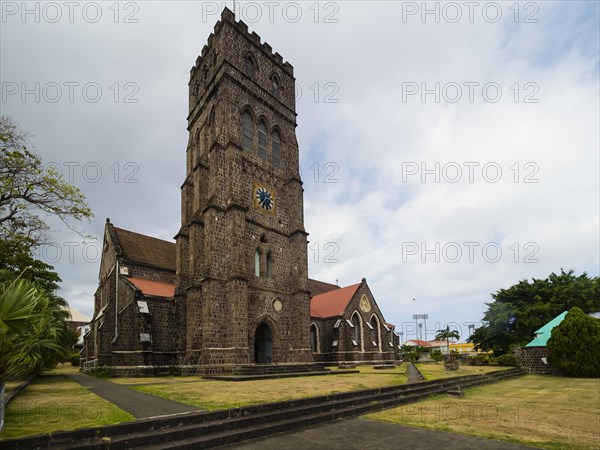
(419, 326)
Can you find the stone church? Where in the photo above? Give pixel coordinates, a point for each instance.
(233, 289)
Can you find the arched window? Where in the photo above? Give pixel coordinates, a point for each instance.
(314, 338)
(269, 265)
(256, 264)
(247, 132)
(197, 141)
(375, 326)
(262, 140)
(276, 153)
(274, 86)
(211, 133)
(357, 328)
(250, 66)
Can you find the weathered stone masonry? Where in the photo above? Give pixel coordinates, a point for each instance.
(234, 289)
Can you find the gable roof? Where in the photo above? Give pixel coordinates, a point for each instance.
(442, 343)
(417, 342)
(543, 334)
(332, 303)
(153, 288)
(147, 250)
(75, 315)
(317, 287)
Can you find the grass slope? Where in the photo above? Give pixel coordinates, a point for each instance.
(53, 402)
(542, 411)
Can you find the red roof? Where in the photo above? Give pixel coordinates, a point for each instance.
(332, 303)
(418, 342)
(153, 288)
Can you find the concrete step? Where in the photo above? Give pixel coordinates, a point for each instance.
(282, 425)
(273, 375)
(261, 369)
(289, 412)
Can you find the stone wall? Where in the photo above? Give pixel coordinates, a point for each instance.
(531, 359)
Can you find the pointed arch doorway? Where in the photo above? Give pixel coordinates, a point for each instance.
(263, 344)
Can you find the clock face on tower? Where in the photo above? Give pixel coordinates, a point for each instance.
(264, 198)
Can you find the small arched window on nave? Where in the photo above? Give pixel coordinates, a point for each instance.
(256, 264)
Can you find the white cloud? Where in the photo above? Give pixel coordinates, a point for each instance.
(370, 134)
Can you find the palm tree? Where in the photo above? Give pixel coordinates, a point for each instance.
(447, 334)
(32, 329)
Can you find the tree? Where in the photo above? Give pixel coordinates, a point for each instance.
(436, 355)
(16, 259)
(518, 311)
(33, 332)
(26, 190)
(413, 352)
(574, 345)
(447, 334)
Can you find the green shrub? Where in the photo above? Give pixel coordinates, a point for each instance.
(477, 360)
(507, 359)
(436, 355)
(100, 372)
(491, 360)
(574, 345)
(74, 359)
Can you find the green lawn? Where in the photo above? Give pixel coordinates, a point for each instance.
(436, 371)
(548, 412)
(212, 394)
(53, 402)
(542, 411)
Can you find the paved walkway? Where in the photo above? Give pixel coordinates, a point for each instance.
(413, 374)
(365, 434)
(138, 404)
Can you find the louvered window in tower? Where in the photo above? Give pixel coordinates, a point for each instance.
(276, 154)
(262, 140)
(247, 132)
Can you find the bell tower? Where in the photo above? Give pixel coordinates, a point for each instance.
(242, 273)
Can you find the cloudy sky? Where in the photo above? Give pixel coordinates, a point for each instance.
(448, 149)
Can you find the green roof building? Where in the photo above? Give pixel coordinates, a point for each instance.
(543, 334)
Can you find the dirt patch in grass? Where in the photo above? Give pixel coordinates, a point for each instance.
(542, 411)
(212, 394)
(53, 402)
